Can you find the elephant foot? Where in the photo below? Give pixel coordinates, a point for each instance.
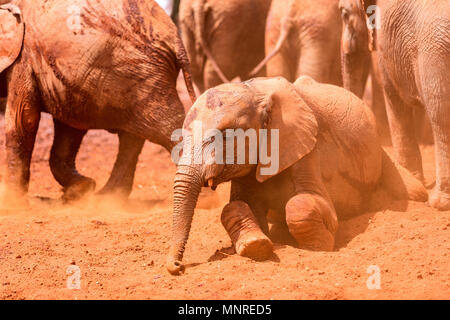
(13, 200)
(414, 187)
(79, 189)
(401, 183)
(117, 193)
(439, 200)
(312, 222)
(254, 245)
(247, 237)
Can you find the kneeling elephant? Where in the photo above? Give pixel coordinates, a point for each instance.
(330, 163)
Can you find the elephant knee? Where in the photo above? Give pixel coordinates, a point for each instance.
(242, 227)
(312, 222)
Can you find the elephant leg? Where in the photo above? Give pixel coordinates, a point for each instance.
(424, 129)
(403, 133)
(436, 97)
(306, 217)
(310, 215)
(21, 124)
(279, 66)
(378, 104)
(122, 176)
(317, 63)
(211, 78)
(440, 196)
(66, 143)
(242, 227)
(199, 82)
(2, 105)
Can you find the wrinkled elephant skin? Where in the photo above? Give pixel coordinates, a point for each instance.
(92, 64)
(330, 165)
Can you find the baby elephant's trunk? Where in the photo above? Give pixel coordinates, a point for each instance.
(187, 187)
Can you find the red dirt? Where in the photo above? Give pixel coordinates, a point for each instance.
(121, 249)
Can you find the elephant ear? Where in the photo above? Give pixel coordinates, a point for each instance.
(293, 119)
(12, 31)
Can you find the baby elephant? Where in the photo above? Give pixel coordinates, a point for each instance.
(324, 163)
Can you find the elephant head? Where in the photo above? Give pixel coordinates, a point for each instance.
(356, 45)
(254, 106)
(12, 32)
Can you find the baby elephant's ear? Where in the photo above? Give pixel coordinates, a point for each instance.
(12, 32)
(295, 123)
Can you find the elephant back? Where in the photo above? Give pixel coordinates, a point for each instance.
(119, 49)
(350, 153)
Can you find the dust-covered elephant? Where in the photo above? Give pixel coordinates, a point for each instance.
(308, 152)
(360, 59)
(303, 38)
(414, 55)
(93, 64)
(224, 39)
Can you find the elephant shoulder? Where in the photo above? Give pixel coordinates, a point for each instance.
(347, 131)
(337, 108)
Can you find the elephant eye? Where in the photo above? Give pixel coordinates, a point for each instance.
(211, 138)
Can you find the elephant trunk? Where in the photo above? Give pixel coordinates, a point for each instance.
(187, 187)
(355, 71)
(356, 45)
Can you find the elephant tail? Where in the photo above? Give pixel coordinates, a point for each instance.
(286, 25)
(188, 81)
(199, 17)
(400, 183)
(184, 65)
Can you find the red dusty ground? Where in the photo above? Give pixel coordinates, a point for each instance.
(121, 248)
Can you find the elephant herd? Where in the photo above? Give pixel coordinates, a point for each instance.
(272, 69)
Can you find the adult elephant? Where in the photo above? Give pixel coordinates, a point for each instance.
(414, 57)
(330, 163)
(360, 59)
(93, 64)
(303, 38)
(224, 39)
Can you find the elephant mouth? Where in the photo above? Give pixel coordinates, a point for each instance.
(212, 183)
(213, 176)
